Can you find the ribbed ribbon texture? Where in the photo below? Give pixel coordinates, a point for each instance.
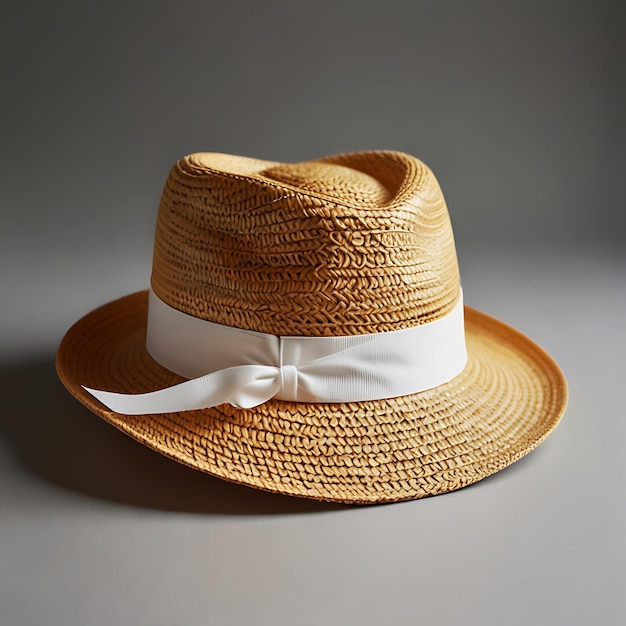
(247, 368)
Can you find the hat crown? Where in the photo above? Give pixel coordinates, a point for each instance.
(352, 244)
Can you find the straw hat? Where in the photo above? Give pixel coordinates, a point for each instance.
(354, 255)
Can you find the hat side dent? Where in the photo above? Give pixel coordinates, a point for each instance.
(346, 245)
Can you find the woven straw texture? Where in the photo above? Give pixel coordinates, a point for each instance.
(346, 245)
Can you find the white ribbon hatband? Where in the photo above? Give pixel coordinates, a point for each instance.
(247, 368)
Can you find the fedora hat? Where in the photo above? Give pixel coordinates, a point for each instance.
(304, 333)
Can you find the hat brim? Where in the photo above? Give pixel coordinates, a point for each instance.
(507, 400)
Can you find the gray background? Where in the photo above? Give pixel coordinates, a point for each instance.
(518, 109)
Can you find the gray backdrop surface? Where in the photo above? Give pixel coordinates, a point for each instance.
(518, 109)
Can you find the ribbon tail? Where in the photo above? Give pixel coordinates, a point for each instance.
(243, 386)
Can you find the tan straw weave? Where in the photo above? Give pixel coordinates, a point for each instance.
(347, 245)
